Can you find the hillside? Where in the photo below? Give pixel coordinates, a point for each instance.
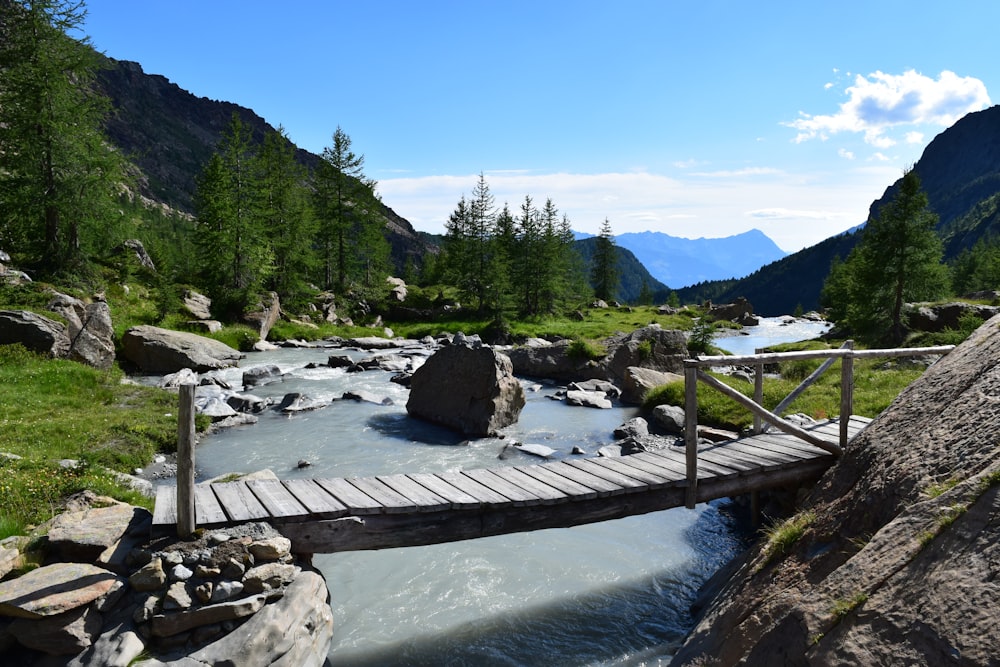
(959, 171)
(631, 272)
(169, 135)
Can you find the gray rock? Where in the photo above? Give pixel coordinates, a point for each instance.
(157, 350)
(117, 646)
(67, 633)
(84, 535)
(226, 590)
(669, 418)
(270, 549)
(90, 331)
(637, 381)
(150, 577)
(199, 305)
(588, 399)
(54, 589)
(296, 402)
(259, 375)
(473, 391)
(594, 385)
(33, 331)
(166, 625)
(269, 576)
(637, 427)
(540, 451)
(268, 312)
(177, 596)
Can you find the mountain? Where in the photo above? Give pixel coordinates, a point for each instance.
(960, 172)
(631, 272)
(678, 261)
(170, 134)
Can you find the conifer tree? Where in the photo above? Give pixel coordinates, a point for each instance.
(604, 267)
(59, 179)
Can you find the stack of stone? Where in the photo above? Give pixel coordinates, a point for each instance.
(113, 596)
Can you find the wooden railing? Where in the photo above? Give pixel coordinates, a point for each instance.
(846, 353)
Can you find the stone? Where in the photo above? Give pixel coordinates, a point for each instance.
(67, 633)
(295, 631)
(89, 328)
(269, 576)
(199, 305)
(296, 402)
(540, 451)
(180, 573)
(267, 313)
(637, 427)
(649, 347)
(471, 390)
(156, 350)
(258, 375)
(271, 549)
(181, 377)
(9, 559)
(638, 381)
(204, 592)
(84, 535)
(669, 418)
(588, 399)
(372, 343)
(54, 589)
(177, 597)
(226, 590)
(595, 385)
(136, 248)
(35, 332)
(118, 646)
(167, 625)
(150, 577)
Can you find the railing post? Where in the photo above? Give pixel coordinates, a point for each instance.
(691, 430)
(185, 461)
(758, 394)
(846, 392)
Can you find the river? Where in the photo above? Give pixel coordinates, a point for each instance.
(612, 593)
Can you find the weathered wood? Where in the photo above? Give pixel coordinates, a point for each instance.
(512, 492)
(805, 384)
(758, 395)
(165, 506)
(598, 468)
(846, 393)
(660, 468)
(691, 431)
(315, 499)
(601, 486)
(548, 494)
(207, 508)
(456, 497)
(239, 502)
(350, 496)
(186, 518)
(774, 419)
(655, 480)
(273, 495)
(485, 495)
(549, 476)
(426, 500)
(391, 501)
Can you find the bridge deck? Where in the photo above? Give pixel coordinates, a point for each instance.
(328, 515)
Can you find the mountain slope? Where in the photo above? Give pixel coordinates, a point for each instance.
(631, 272)
(960, 172)
(170, 134)
(678, 261)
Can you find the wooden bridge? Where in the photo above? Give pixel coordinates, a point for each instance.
(384, 511)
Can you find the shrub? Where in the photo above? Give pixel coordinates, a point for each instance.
(585, 350)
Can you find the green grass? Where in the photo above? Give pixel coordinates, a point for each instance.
(842, 607)
(56, 409)
(876, 385)
(779, 538)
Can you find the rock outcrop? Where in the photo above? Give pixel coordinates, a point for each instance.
(470, 388)
(91, 334)
(33, 331)
(899, 557)
(156, 350)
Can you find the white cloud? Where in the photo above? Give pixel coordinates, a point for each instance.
(914, 137)
(794, 209)
(846, 154)
(880, 102)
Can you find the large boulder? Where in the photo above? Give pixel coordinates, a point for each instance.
(156, 350)
(553, 361)
(468, 388)
(33, 331)
(941, 316)
(898, 555)
(650, 347)
(199, 305)
(638, 381)
(266, 315)
(91, 333)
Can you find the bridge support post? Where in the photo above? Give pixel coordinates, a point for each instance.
(846, 391)
(185, 461)
(691, 431)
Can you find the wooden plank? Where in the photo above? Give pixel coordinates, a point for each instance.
(593, 466)
(483, 494)
(790, 445)
(728, 461)
(207, 510)
(392, 501)
(165, 506)
(664, 472)
(764, 453)
(760, 460)
(675, 460)
(356, 501)
(514, 493)
(643, 474)
(548, 494)
(600, 485)
(426, 500)
(574, 490)
(275, 497)
(459, 499)
(239, 502)
(315, 499)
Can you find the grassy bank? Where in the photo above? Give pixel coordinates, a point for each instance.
(51, 410)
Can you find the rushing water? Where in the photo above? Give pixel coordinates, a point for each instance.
(611, 593)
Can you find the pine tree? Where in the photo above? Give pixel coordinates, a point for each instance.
(287, 215)
(604, 267)
(898, 259)
(59, 179)
(235, 253)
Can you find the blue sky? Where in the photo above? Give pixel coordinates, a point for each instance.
(697, 119)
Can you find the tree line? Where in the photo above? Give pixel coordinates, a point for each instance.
(521, 264)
